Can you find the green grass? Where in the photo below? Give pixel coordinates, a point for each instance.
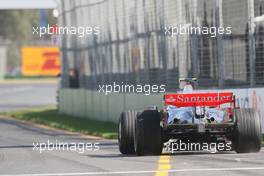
(50, 117)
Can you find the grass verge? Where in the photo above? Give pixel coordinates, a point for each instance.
(50, 117)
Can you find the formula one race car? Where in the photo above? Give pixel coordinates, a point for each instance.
(190, 117)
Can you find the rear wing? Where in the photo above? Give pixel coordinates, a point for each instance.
(199, 99)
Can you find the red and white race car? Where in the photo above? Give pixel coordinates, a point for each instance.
(190, 117)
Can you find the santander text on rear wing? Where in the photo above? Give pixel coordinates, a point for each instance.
(199, 99)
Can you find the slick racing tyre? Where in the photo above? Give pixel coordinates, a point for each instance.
(247, 134)
(148, 133)
(126, 131)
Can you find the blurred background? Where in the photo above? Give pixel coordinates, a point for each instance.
(17, 39)
(29, 64)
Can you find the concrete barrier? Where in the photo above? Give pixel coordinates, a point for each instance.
(94, 105)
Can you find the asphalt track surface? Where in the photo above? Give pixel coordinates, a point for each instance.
(20, 152)
(22, 95)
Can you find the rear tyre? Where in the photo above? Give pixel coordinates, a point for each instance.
(148, 133)
(247, 135)
(126, 131)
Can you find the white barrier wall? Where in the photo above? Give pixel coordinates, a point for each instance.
(252, 98)
(3, 61)
(92, 104)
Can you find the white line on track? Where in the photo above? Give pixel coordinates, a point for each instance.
(140, 172)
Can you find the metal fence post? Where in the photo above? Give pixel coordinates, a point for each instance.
(64, 75)
(251, 29)
(221, 61)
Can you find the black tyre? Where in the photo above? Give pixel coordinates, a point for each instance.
(148, 133)
(247, 135)
(126, 132)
